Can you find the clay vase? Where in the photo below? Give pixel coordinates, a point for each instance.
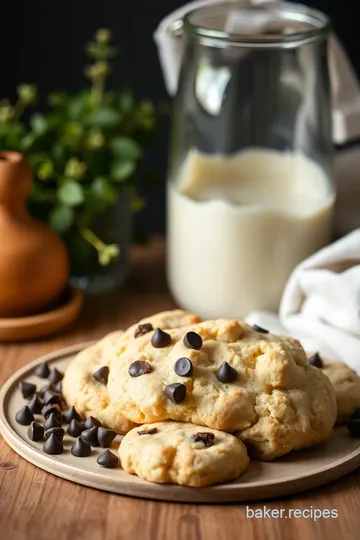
(34, 264)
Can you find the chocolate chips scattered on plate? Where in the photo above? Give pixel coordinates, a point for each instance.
(51, 409)
(107, 459)
(105, 437)
(27, 389)
(75, 428)
(160, 339)
(80, 448)
(52, 398)
(176, 392)
(35, 431)
(226, 373)
(24, 416)
(354, 427)
(192, 340)
(204, 437)
(49, 386)
(143, 329)
(52, 421)
(183, 367)
(91, 422)
(42, 370)
(71, 414)
(258, 328)
(90, 436)
(102, 375)
(57, 431)
(35, 405)
(316, 361)
(55, 376)
(150, 431)
(53, 446)
(139, 367)
(58, 387)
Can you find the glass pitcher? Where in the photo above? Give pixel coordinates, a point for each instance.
(250, 190)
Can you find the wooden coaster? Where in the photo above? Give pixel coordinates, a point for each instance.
(295, 472)
(57, 317)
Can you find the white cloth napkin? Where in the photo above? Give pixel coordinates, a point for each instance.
(321, 303)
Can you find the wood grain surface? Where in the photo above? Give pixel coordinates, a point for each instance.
(35, 505)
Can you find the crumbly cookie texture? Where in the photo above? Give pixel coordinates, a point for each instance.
(185, 454)
(277, 403)
(89, 396)
(86, 394)
(346, 384)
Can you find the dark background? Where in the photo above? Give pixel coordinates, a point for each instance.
(41, 42)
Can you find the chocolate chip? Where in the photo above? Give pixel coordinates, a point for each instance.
(24, 416)
(80, 448)
(107, 459)
(151, 431)
(316, 361)
(204, 437)
(51, 422)
(90, 436)
(53, 446)
(35, 431)
(102, 375)
(139, 367)
(58, 387)
(27, 389)
(51, 409)
(192, 340)
(75, 428)
(105, 437)
(42, 370)
(258, 328)
(143, 329)
(92, 422)
(356, 414)
(226, 373)
(176, 392)
(42, 390)
(183, 367)
(354, 427)
(160, 339)
(71, 414)
(57, 431)
(35, 405)
(55, 376)
(52, 398)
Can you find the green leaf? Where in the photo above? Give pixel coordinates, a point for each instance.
(121, 170)
(61, 218)
(71, 193)
(126, 148)
(105, 117)
(58, 99)
(38, 123)
(126, 101)
(45, 170)
(102, 189)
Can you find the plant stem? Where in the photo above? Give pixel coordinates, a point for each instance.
(19, 108)
(93, 240)
(97, 90)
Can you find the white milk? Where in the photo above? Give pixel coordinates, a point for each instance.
(238, 226)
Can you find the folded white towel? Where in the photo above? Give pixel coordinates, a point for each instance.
(321, 303)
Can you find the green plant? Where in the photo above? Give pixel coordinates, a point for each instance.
(83, 149)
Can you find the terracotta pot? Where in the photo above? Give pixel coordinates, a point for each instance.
(34, 265)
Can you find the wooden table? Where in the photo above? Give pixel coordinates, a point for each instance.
(35, 505)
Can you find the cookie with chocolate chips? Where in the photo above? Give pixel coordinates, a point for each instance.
(226, 375)
(182, 454)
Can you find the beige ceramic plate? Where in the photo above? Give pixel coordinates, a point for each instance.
(296, 472)
(43, 324)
